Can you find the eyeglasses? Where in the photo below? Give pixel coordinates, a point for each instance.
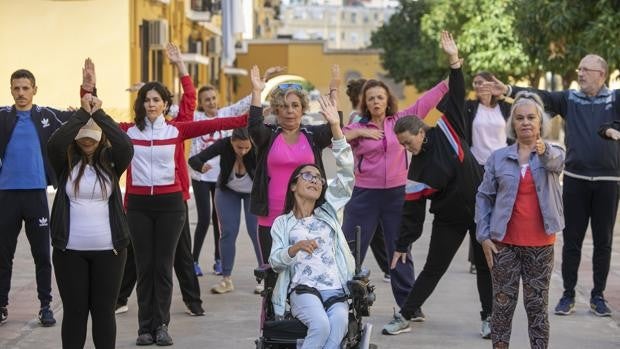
(290, 86)
(312, 178)
(587, 70)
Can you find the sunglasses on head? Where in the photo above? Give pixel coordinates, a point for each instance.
(312, 178)
(290, 86)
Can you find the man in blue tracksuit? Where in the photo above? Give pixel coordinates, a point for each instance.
(25, 174)
(591, 176)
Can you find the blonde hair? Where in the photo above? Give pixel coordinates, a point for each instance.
(278, 97)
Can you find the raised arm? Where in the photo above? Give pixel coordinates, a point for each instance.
(426, 102)
(259, 132)
(555, 102)
(340, 189)
(453, 106)
(194, 129)
(187, 105)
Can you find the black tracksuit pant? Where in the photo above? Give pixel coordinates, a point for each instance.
(29, 206)
(155, 224)
(88, 282)
(596, 202)
(183, 268)
(446, 238)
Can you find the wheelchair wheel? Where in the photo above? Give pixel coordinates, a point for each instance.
(365, 337)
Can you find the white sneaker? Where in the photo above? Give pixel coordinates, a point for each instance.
(485, 328)
(259, 289)
(224, 286)
(397, 325)
(120, 309)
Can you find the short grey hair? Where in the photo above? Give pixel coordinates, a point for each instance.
(526, 97)
(410, 123)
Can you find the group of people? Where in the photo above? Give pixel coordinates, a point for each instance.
(485, 167)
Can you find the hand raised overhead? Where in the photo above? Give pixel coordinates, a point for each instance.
(89, 79)
(329, 111)
(257, 83)
(273, 71)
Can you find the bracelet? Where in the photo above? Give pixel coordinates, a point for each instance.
(458, 60)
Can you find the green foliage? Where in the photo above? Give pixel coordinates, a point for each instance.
(514, 39)
(408, 55)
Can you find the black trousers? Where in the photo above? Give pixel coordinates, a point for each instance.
(183, 268)
(204, 194)
(29, 206)
(596, 202)
(265, 242)
(155, 224)
(446, 238)
(88, 282)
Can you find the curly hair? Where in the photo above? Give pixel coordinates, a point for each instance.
(354, 89)
(277, 98)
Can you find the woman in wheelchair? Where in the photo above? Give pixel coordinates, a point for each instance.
(309, 251)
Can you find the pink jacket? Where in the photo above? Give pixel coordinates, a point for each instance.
(383, 164)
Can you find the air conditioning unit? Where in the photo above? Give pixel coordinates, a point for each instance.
(158, 34)
(214, 46)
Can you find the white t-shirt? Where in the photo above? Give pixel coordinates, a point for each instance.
(89, 216)
(488, 132)
(318, 269)
(241, 184)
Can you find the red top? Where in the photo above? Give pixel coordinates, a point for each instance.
(526, 226)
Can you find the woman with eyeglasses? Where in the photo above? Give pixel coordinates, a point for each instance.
(281, 148)
(310, 252)
(518, 212)
(485, 122)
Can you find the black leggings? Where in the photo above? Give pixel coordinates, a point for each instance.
(265, 242)
(446, 238)
(204, 194)
(88, 282)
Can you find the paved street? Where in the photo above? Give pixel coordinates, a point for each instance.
(231, 320)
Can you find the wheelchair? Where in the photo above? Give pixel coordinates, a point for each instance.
(284, 333)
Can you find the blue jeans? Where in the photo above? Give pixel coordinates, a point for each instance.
(326, 329)
(228, 207)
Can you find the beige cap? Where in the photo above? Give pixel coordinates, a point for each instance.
(90, 130)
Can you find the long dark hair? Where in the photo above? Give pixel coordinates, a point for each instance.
(391, 100)
(289, 201)
(99, 162)
(138, 106)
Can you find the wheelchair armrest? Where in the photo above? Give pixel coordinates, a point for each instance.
(262, 272)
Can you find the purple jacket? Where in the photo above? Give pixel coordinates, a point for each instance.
(383, 164)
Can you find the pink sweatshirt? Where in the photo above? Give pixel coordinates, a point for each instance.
(383, 164)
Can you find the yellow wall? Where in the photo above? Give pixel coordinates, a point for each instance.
(311, 62)
(52, 39)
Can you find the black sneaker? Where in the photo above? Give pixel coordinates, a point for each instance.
(4, 315)
(145, 339)
(598, 306)
(162, 338)
(194, 309)
(418, 316)
(566, 306)
(46, 316)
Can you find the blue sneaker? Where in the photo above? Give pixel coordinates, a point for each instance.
(397, 325)
(566, 306)
(197, 269)
(46, 316)
(217, 267)
(598, 306)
